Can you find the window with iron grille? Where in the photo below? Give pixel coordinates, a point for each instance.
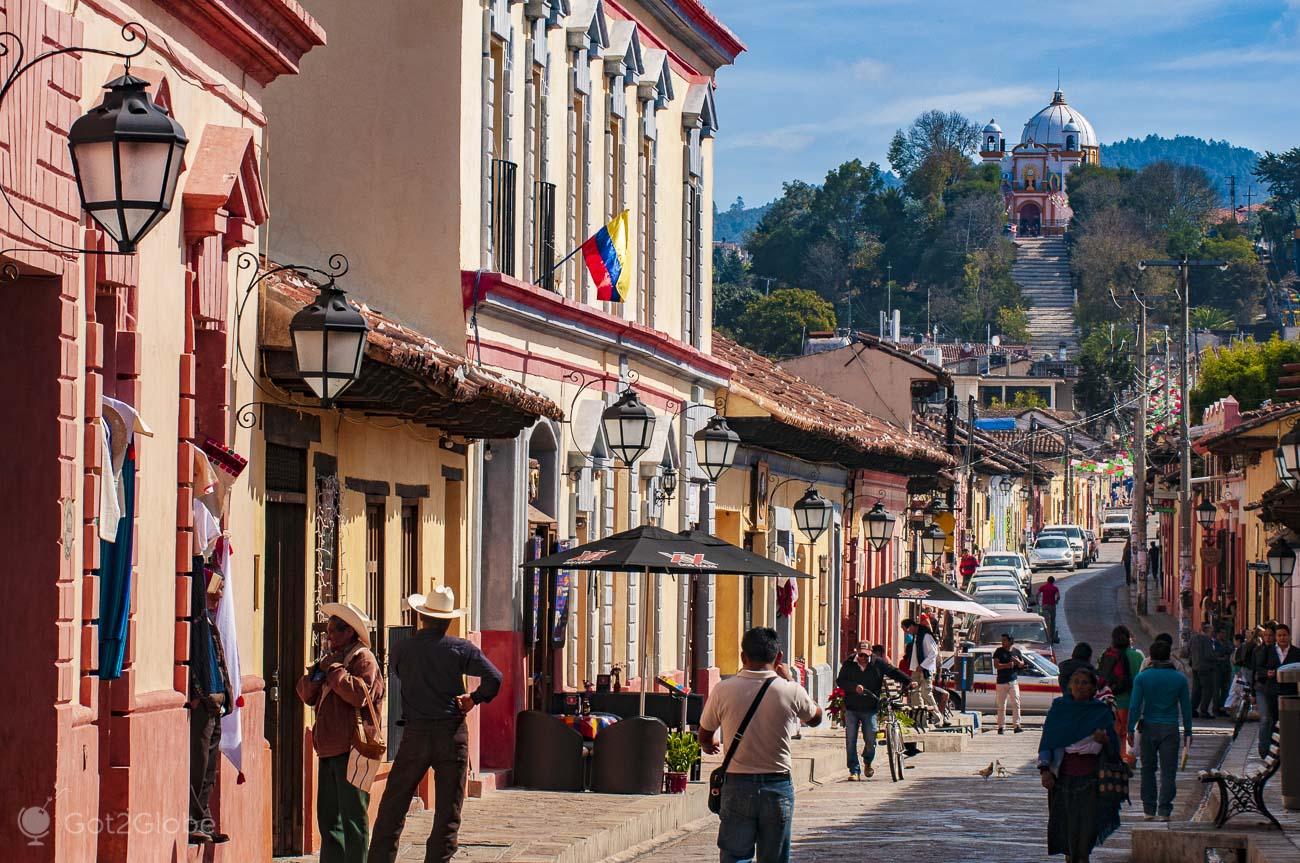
(503, 215)
(410, 556)
(544, 234)
(375, 572)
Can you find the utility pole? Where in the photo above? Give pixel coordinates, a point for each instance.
(1033, 490)
(970, 471)
(1069, 478)
(767, 284)
(1232, 193)
(1184, 267)
(889, 290)
(1138, 520)
(1250, 194)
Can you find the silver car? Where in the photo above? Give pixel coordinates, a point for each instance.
(1051, 552)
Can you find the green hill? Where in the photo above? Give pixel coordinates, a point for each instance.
(733, 224)
(1219, 159)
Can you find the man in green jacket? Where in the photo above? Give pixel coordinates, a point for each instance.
(1160, 694)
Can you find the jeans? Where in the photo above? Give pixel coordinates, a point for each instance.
(1266, 704)
(757, 814)
(853, 720)
(341, 813)
(1049, 617)
(441, 746)
(1159, 744)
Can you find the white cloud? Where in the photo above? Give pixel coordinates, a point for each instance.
(788, 139)
(868, 69)
(1230, 57)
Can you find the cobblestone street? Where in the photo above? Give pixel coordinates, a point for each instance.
(942, 802)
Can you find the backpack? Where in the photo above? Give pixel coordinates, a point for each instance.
(1115, 672)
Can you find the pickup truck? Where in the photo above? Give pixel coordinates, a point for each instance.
(1115, 525)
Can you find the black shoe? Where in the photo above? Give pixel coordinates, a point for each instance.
(1018, 730)
(218, 838)
(198, 837)
(1000, 731)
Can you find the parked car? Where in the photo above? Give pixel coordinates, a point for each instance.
(1007, 560)
(1117, 525)
(1027, 630)
(1001, 600)
(1093, 547)
(1051, 552)
(1074, 534)
(1038, 683)
(1006, 578)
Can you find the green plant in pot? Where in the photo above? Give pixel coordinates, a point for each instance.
(683, 751)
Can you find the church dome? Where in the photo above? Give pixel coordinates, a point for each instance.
(1049, 126)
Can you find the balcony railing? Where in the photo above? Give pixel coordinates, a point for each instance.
(503, 215)
(544, 234)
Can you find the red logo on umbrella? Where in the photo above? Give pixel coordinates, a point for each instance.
(681, 558)
(914, 593)
(591, 556)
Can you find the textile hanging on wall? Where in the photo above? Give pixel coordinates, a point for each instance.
(232, 743)
(115, 578)
(564, 579)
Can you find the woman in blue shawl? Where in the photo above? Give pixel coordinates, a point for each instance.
(1078, 731)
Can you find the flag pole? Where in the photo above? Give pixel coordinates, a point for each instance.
(561, 263)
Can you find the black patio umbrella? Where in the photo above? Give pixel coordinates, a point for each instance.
(650, 549)
(927, 590)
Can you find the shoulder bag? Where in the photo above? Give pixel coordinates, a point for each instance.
(719, 775)
(367, 743)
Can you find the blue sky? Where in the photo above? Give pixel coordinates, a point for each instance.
(825, 81)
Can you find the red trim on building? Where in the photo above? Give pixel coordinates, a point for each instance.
(515, 359)
(556, 307)
(267, 38)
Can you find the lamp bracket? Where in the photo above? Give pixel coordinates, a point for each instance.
(12, 43)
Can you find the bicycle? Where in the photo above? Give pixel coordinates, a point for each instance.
(1241, 710)
(893, 730)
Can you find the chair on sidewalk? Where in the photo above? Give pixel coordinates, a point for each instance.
(629, 757)
(548, 753)
(1238, 794)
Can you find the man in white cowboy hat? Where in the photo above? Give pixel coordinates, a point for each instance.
(336, 686)
(431, 666)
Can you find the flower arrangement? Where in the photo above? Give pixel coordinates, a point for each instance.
(683, 751)
(836, 708)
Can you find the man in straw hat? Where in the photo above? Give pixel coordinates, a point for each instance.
(336, 686)
(431, 666)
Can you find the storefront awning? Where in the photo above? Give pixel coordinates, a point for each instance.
(405, 374)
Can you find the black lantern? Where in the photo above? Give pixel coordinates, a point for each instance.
(667, 482)
(1283, 475)
(1290, 447)
(329, 342)
(1005, 484)
(1205, 514)
(813, 514)
(629, 425)
(715, 447)
(1024, 493)
(935, 508)
(933, 541)
(1281, 561)
(880, 526)
(126, 157)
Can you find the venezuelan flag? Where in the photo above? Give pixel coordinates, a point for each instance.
(608, 261)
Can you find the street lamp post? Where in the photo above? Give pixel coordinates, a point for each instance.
(1183, 266)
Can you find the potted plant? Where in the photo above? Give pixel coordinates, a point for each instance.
(683, 752)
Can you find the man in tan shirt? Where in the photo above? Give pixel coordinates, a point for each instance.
(758, 795)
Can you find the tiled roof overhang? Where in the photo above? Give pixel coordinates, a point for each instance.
(405, 374)
(807, 422)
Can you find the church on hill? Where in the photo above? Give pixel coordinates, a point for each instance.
(1054, 141)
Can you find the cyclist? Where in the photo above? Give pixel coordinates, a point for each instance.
(861, 677)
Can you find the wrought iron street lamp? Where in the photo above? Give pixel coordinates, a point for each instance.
(879, 523)
(629, 425)
(715, 447)
(1290, 447)
(1281, 561)
(126, 157)
(1205, 514)
(933, 541)
(667, 482)
(812, 514)
(1005, 484)
(329, 343)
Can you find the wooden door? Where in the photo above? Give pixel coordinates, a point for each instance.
(284, 659)
(375, 592)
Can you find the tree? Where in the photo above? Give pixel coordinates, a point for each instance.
(777, 244)
(728, 266)
(1106, 371)
(730, 300)
(1013, 324)
(1281, 172)
(934, 152)
(1209, 318)
(1247, 370)
(775, 325)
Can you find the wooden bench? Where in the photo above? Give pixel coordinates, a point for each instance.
(1238, 794)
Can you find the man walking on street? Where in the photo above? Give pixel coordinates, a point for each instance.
(1153, 561)
(1275, 652)
(1049, 596)
(1007, 659)
(861, 677)
(757, 806)
(1200, 656)
(1127, 558)
(1159, 697)
(924, 655)
(967, 566)
(1080, 657)
(431, 666)
(1117, 668)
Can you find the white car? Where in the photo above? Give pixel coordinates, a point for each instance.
(1001, 600)
(1038, 681)
(1051, 552)
(1078, 542)
(1006, 560)
(1003, 578)
(1117, 524)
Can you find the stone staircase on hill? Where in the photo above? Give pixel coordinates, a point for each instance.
(1042, 270)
